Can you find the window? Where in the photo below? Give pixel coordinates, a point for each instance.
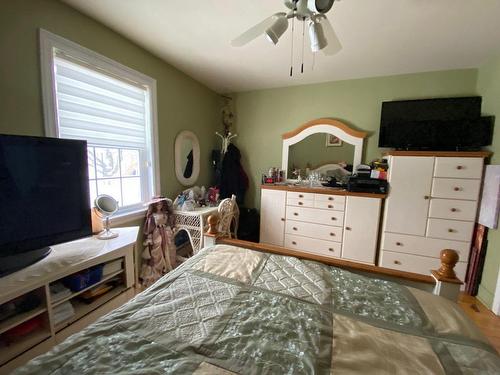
(87, 96)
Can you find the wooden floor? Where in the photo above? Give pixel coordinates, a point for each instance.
(487, 322)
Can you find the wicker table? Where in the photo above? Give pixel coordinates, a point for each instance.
(193, 222)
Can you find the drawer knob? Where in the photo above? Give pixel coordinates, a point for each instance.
(397, 262)
(330, 198)
(334, 218)
(426, 197)
(330, 206)
(451, 230)
(301, 196)
(300, 203)
(294, 243)
(459, 167)
(296, 214)
(456, 188)
(332, 234)
(294, 228)
(453, 210)
(331, 249)
(399, 244)
(282, 219)
(347, 228)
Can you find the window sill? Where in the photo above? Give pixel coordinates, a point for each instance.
(127, 217)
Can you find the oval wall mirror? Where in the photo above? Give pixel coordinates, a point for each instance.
(187, 158)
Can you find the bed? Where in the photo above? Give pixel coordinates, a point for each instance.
(234, 310)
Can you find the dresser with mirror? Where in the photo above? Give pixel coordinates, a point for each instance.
(303, 215)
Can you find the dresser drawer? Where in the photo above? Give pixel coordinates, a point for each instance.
(458, 167)
(321, 232)
(312, 245)
(298, 195)
(450, 229)
(416, 264)
(299, 202)
(329, 198)
(315, 215)
(424, 246)
(453, 209)
(327, 205)
(456, 188)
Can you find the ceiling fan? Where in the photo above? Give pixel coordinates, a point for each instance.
(321, 34)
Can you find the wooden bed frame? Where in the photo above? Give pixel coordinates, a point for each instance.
(442, 281)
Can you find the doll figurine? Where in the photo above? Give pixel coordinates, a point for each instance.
(213, 196)
(159, 254)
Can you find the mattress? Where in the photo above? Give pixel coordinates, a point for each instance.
(233, 310)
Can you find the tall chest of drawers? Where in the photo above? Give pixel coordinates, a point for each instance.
(333, 225)
(432, 205)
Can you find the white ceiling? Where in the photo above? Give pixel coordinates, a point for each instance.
(380, 37)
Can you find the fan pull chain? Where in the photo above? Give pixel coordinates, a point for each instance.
(291, 52)
(303, 43)
(314, 60)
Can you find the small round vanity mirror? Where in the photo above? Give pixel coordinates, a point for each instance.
(105, 206)
(187, 158)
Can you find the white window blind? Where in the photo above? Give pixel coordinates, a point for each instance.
(113, 107)
(99, 108)
(112, 114)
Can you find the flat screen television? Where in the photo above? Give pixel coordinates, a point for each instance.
(44, 197)
(435, 124)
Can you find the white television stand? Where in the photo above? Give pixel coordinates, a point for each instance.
(64, 260)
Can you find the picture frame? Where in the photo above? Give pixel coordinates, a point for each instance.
(333, 141)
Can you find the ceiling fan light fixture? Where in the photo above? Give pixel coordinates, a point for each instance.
(277, 29)
(320, 6)
(317, 37)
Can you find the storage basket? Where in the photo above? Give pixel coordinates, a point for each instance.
(84, 279)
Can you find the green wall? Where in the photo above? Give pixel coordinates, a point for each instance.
(488, 86)
(183, 103)
(263, 116)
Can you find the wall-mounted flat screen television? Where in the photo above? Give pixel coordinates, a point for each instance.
(44, 197)
(435, 124)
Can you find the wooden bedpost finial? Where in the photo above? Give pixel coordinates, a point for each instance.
(213, 220)
(449, 259)
(447, 283)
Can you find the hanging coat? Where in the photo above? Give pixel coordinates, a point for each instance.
(188, 171)
(234, 180)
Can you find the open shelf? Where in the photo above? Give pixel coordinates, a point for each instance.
(13, 349)
(20, 318)
(82, 308)
(72, 295)
(27, 286)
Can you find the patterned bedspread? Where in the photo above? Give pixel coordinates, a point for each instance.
(232, 310)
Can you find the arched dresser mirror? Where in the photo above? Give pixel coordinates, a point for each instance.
(187, 158)
(321, 145)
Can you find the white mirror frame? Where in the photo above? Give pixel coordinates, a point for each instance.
(179, 165)
(103, 201)
(328, 126)
(106, 206)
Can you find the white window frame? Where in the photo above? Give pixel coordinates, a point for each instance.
(49, 43)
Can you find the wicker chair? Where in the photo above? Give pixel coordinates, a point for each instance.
(229, 215)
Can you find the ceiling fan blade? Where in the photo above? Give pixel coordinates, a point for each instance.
(256, 30)
(334, 46)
